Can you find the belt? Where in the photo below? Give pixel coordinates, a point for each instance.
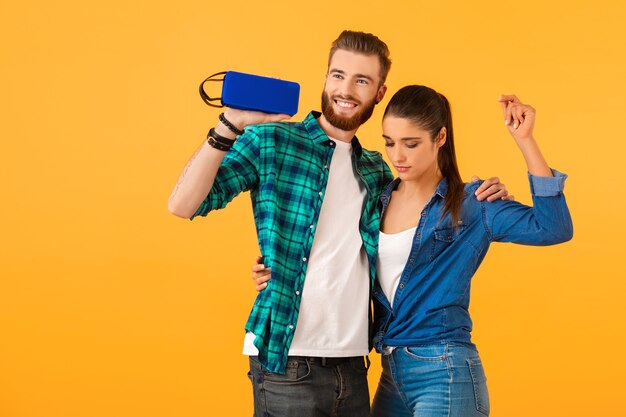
(330, 362)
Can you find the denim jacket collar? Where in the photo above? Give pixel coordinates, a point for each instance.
(385, 196)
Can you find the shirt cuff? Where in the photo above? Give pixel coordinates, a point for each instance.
(547, 186)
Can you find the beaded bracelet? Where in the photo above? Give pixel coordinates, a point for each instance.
(229, 125)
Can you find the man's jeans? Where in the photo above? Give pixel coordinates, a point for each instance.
(443, 380)
(311, 388)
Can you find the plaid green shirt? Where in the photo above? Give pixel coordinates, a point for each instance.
(285, 168)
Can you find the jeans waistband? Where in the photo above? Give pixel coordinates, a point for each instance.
(330, 362)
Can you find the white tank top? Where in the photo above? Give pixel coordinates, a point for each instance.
(393, 252)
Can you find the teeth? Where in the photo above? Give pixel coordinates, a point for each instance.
(344, 104)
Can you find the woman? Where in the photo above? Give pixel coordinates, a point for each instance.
(433, 237)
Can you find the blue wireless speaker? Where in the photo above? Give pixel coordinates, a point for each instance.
(254, 92)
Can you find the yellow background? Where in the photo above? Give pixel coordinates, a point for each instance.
(110, 306)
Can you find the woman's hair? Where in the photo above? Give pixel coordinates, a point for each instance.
(430, 111)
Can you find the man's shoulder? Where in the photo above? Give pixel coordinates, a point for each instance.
(372, 155)
(372, 159)
(374, 168)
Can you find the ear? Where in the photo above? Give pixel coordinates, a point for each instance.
(442, 137)
(381, 93)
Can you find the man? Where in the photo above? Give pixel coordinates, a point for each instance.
(315, 195)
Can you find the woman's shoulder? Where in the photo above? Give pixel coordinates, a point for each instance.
(470, 189)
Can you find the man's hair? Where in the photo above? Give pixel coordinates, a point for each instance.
(366, 44)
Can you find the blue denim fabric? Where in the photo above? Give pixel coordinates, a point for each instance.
(441, 380)
(432, 299)
(308, 389)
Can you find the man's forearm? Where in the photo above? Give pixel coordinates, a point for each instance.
(197, 178)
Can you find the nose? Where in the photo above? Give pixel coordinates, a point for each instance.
(398, 153)
(346, 88)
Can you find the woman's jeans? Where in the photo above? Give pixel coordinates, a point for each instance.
(443, 380)
(311, 387)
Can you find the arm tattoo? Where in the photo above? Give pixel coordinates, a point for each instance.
(182, 175)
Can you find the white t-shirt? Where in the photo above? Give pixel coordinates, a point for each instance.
(393, 252)
(333, 316)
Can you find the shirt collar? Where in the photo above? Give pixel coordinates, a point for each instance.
(441, 189)
(317, 134)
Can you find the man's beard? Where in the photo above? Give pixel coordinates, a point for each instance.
(346, 123)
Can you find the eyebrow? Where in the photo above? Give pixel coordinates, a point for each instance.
(407, 138)
(367, 77)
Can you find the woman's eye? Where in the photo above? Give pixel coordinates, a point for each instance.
(411, 145)
(388, 144)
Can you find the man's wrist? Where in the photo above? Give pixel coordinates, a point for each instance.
(229, 125)
(222, 130)
(235, 118)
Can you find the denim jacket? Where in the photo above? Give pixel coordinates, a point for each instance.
(432, 299)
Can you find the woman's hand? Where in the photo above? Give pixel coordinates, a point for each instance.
(520, 121)
(518, 117)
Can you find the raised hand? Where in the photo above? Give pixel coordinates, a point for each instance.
(520, 121)
(518, 117)
(243, 118)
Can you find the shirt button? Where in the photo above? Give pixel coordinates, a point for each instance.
(297, 292)
(423, 213)
(325, 166)
(291, 327)
(304, 259)
(320, 193)
(401, 285)
(311, 227)
(412, 260)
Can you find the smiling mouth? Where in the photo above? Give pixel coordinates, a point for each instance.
(345, 104)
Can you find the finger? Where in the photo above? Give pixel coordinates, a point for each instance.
(262, 273)
(513, 111)
(277, 117)
(494, 187)
(257, 267)
(486, 184)
(475, 178)
(498, 195)
(263, 278)
(509, 198)
(508, 120)
(261, 287)
(529, 117)
(518, 116)
(491, 191)
(259, 259)
(509, 97)
(503, 104)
